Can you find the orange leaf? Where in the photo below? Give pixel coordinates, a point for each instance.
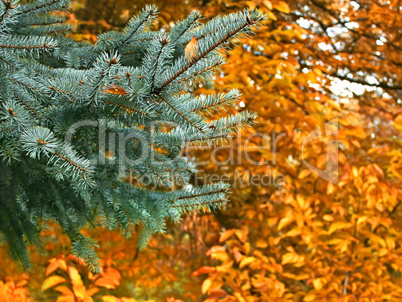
(114, 89)
(21, 283)
(261, 243)
(226, 234)
(191, 49)
(216, 249)
(238, 256)
(54, 265)
(110, 278)
(171, 299)
(217, 293)
(203, 270)
(106, 283)
(112, 273)
(92, 291)
(64, 290)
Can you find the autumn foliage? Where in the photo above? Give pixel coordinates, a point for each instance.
(334, 66)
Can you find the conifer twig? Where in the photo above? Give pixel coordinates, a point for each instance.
(228, 36)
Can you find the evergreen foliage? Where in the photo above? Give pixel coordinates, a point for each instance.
(77, 119)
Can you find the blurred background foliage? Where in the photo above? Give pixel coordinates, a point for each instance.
(314, 62)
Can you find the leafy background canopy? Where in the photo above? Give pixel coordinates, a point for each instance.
(309, 240)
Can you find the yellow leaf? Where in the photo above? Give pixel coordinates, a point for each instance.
(302, 203)
(361, 219)
(334, 105)
(284, 222)
(354, 131)
(268, 4)
(304, 173)
(74, 276)
(382, 252)
(251, 5)
(293, 232)
(338, 225)
(309, 297)
(318, 72)
(242, 234)
(247, 247)
(355, 171)
(271, 15)
(317, 283)
(398, 122)
(390, 242)
(246, 261)
(302, 277)
(328, 218)
(282, 7)
(289, 275)
(52, 281)
(288, 258)
(330, 188)
(239, 297)
(206, 285)
(79, 291)
(109, 298)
